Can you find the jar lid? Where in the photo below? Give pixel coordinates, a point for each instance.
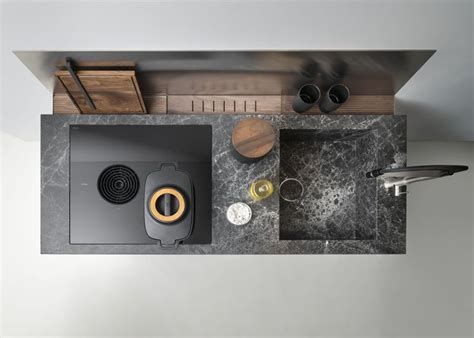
(239, 213)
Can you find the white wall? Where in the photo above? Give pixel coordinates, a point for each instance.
(428, 291)
(438, 99)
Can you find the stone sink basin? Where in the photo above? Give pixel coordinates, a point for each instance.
(338, 202)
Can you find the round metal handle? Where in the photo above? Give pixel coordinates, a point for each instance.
(157, 215)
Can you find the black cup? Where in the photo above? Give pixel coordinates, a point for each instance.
(336, 96)
(308, 95)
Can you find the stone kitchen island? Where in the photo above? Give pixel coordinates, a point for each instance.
(341, 212)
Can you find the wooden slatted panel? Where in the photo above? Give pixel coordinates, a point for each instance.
(265, 104)
(357, 104)
(155, 104)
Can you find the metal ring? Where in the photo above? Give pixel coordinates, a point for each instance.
(158, 215)
(289, 180)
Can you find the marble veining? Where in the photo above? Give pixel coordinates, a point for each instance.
(339, 203)
(365, 220)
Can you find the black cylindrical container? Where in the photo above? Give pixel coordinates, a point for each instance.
(308, 95)
(336, 96)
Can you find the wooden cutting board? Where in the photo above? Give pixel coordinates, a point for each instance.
(111, 91)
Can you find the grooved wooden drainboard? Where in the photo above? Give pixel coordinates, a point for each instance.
(232, 109)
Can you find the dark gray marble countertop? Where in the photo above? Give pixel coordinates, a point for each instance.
(230, 183)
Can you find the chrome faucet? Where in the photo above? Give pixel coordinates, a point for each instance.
(399, 178)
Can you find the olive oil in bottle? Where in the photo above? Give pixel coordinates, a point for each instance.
(260, 189)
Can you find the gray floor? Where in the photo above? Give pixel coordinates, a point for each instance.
(426, 292)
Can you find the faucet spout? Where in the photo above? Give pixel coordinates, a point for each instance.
(399, 178)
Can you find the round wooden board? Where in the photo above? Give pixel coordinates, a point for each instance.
(253, 138)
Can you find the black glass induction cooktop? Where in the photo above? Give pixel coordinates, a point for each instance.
(109, 166)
